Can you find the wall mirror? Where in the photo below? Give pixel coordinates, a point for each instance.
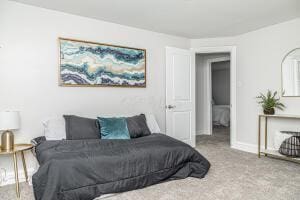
(291, 74)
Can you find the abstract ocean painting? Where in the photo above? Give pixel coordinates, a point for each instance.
(92, 64)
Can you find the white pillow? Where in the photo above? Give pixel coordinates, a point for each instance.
(152, 123)
(55, 129)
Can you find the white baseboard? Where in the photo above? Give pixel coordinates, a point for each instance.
(10, 176)
(251, 148)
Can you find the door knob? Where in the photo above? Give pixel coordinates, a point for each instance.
(171, 107)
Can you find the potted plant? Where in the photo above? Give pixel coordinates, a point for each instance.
(269, 102)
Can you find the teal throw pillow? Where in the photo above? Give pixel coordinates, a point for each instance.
(113, 128)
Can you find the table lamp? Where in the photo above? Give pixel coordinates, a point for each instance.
(9, 120)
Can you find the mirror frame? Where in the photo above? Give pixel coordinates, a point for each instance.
(298, 48)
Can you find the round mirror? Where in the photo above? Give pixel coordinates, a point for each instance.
(291, 74)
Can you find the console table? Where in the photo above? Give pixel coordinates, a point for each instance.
(265, 151)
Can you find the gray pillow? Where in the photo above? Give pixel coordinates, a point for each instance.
(137, 126)
(78, 128)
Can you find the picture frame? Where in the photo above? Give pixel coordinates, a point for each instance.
(91, 64)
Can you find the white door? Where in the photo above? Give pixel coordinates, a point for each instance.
(180, 94)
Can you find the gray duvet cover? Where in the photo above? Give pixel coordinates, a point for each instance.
(86, 169)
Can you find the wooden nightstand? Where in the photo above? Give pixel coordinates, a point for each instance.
(18, 148)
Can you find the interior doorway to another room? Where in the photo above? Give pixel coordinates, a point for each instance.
(213, 104)
(189, 108)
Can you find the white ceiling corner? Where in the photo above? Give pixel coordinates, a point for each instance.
(186, 18)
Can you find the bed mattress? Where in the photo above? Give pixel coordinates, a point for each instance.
(221, 115)
(86, 169)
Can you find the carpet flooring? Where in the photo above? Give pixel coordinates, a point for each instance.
(234, 175)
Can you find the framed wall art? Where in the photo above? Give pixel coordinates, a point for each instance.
(91, 64)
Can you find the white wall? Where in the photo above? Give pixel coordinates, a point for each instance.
(220, 79)
(202, 122)
(259, 56)
(29, 68)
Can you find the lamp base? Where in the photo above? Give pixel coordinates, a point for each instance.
(7, 141)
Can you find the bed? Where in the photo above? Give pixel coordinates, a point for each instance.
(86, 169)
(221, 115)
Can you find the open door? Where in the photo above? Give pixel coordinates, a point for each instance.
(180, 95)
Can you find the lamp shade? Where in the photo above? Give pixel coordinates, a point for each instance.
(9, 120)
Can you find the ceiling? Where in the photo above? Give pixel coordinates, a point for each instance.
(187, 18)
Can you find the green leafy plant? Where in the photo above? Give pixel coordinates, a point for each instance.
(270, 101)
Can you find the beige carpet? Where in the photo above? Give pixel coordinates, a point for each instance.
(233, 175)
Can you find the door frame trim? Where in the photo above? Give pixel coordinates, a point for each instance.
(233, 83)
(209, 87)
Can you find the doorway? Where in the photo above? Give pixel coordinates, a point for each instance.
(220, 98)
(182, 102)
(216, 92)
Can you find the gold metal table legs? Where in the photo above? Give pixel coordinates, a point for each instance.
(263, 148)
(16, 174)
(259, 136)
(16, 171)
(24, 166)
(18, 148)
(266, 133)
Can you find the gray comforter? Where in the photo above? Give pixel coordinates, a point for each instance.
(86, 169)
